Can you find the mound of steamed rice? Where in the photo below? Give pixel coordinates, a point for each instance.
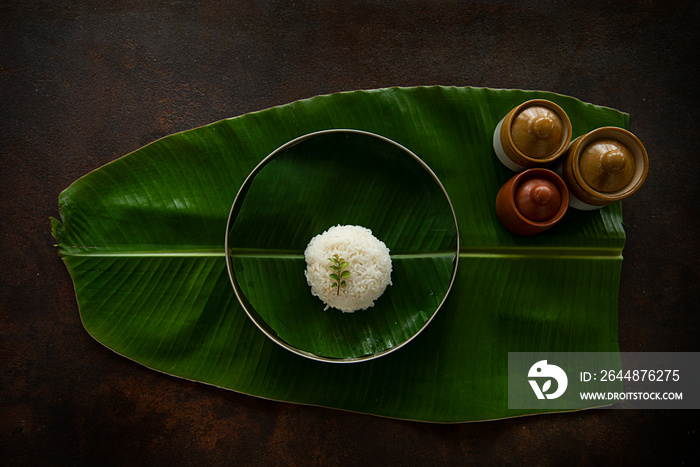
(368, 261)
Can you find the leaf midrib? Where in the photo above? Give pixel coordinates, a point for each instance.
(485, 252)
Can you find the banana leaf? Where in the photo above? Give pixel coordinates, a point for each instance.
(143, 240)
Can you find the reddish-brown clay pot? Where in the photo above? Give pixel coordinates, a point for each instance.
(532, 201)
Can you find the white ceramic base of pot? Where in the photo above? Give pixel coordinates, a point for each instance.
(576, 203)
(500, 153)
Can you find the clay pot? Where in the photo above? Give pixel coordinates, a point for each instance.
(534, 134)
(604, 166)
(532, 201)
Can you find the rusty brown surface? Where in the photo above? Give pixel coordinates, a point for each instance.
(82, 83)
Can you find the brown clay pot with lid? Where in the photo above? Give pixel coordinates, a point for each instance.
(603, 167)
(534, 134)
(532, 201)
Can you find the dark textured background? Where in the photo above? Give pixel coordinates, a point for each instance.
(82, 84)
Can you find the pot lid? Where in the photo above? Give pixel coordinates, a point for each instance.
(537, 131)
(538, 199)
(607, 165)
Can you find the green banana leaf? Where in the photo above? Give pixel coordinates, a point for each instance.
(143, 240)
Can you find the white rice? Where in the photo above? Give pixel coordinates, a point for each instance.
(368, 261)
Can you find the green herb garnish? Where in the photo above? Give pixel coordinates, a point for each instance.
(339, 266)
